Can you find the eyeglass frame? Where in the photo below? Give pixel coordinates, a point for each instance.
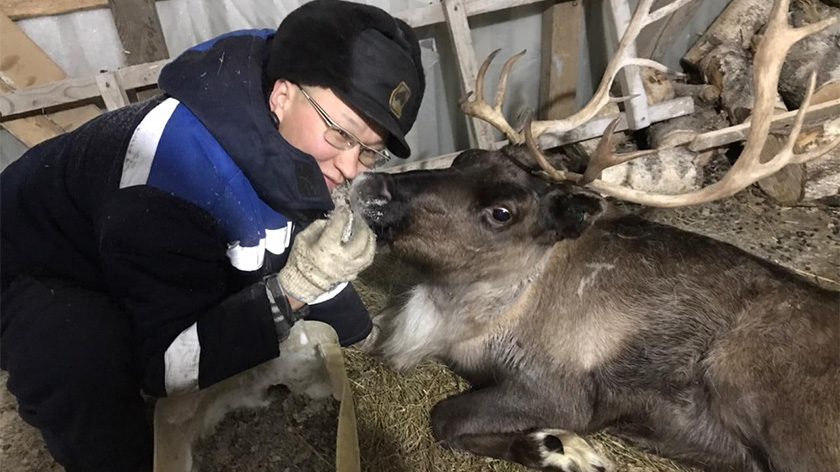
(380, 156)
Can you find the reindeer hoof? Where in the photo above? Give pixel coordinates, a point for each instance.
(561, 450)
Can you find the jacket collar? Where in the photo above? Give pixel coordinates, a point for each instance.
(220, 81)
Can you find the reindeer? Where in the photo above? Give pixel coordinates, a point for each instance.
(568, 317)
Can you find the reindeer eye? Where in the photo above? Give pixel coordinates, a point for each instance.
(500, 214)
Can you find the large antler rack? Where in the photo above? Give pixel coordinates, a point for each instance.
(778, 38)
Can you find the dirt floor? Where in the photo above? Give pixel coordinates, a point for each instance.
(293, 434)
(392, 409)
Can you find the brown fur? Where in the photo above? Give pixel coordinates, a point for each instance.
(571, 318)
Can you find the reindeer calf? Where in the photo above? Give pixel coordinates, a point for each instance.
(568, 319)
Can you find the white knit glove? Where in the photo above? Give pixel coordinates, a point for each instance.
(327, 253)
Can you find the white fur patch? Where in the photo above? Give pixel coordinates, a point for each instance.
(589, 279)
(577, 454)
(416, 333)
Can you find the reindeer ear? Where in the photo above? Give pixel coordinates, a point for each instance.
(569, 211)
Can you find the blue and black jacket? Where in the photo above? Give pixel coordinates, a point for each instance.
(178, 208)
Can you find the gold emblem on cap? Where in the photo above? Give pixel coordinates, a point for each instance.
(399, 97)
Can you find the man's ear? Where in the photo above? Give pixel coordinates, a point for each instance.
(569, 211)
(280, 97)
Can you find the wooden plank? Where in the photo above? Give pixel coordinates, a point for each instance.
(459, 29)
(73, 90)
(23, 101)
(561, 28)
(22, 9)
(415, 17)
(630, 77)
(112, 92)
(31, 130)
(68, 120)
(23, 64)
(139, 29)
(434, 13)
(659, 112)
(141, 35)
(781, 123)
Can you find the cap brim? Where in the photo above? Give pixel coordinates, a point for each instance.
(370, 109)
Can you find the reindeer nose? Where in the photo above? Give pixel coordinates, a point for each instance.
(370, 189)
(369, 195)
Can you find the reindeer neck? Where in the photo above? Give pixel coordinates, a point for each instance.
(488, 300)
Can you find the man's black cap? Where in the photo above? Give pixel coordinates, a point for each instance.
(368, 58)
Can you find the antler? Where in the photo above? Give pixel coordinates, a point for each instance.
(479, 108)
(779, 37)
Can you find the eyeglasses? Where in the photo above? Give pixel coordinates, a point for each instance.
(340, 138)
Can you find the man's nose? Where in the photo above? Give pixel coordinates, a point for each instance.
(347, 162)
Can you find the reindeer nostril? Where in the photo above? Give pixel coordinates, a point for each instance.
(385, 193)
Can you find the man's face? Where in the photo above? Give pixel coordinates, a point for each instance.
(303, 128)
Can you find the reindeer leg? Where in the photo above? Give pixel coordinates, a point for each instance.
(495, 422)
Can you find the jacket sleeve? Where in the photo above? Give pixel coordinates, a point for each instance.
(165, 263)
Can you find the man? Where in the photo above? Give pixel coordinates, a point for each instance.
(166, 246)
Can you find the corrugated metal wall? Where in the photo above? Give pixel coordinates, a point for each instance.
(84, 43)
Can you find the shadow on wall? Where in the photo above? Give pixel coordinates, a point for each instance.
(10, 148)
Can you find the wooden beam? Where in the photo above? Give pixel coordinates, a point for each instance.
(74, 90)
(459, 29)
(415, 17)
(781, 123)
(141, 35)
(23, 64)
(595, 127)
(22, 9)
(32, 130)
(113, 93)
(139, 29)
(429, 15)
(630, 77)
(561, 28)
(83, 88)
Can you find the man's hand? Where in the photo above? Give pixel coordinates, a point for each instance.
(325, 254)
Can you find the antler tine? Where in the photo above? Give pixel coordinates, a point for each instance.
(500, 90)
(482, 72)
(479, 108)
(551, 172)
(604, 157)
